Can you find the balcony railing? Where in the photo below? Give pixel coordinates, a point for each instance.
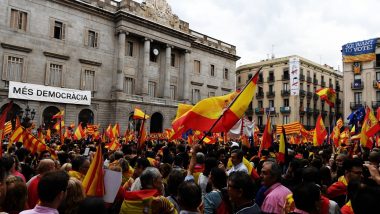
(259, 111)
(285, 93)
(271, 79)
(337, 88)
(315, 81)
(316, 112)
(323, 83)
(315, 96)
(270, 94)
(285, 77)
(309, 94)
(309, 111)
(260, 95)
(376, 84)
(270, 110)
(302, 111)
(338, 101)
(375, 104)
(285, 109)
(302, 93)
(356, 105)
(309, 79)
(302, 77)
(324, 113)
(357, 85)
(332, 114)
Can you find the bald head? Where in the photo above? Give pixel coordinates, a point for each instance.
(45, 165)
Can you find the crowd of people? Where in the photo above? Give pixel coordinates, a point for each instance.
(168, 177)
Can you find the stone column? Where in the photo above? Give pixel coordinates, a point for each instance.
(167, 72)
(145, 67)
(186, 77)
(121, 61)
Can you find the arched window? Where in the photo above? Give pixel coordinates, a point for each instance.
(156, 123)
(13, 113)
(86, 116)
(134, 124)
(47, 115)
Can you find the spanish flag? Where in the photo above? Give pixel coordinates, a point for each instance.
(59, 125)
(369, 128)
(282, 150)
(93, 182)
(79, 132)
(16, 136)
(336, 132)
(59, 115)
(320, 132)
(267, 137)
(328, 95)
(116, 130)
(138, 114)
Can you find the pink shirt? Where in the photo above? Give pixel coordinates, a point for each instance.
(275, 197)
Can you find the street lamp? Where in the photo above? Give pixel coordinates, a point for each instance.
(25, 117)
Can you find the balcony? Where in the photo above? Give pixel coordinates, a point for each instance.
(270, 79)
(315, 81)
(375, 104)
(302, 77)
(337, 88)
(309, 79)
(357, 85)
(309, 94)
(316, 112)
(270, 110)
(309, 111)
(285, 93)
(285, 77)
(270, 94)
(376, 84)
(315, 96)
(302, 93)
(356, 105)
(285, 109)
(259, 111)
(260, 80)
(324, 113)
(260, 95)
(331, 85)
(323, 83)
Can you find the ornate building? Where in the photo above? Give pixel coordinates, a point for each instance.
(274, 97)
(121, 54)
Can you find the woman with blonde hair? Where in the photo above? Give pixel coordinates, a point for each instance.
(74, 196)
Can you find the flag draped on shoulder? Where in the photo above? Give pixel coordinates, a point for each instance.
(320, 132)
(138, 114)
(222, 111)
(93, 182)
(328, 95)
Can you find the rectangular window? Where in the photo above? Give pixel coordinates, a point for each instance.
(18, 19)
(377, 75)
(225, 75)
(13, 68)
(286, 86)
(92, 39)
(261, 90)
(271, 88)
(151, 89)
(212, 70)
(358, 97)
(308, 88)
(129, 85)
(58, 30)
(260, 120)
(285, 119)
(260, 104)
(172, 60)
(286, 102)
(55, 74)
(211, 94)
(89, 80)
(129, 51)
(271, 103)
(197, 66)
(196, 95)
(172, 92)
(378, 96)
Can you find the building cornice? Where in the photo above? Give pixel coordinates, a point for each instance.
(196, 83)
(90, 62)
(55, 55)
(214, 51)
(16, 48)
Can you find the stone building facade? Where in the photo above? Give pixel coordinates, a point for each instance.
(273, 92)
(128, 54)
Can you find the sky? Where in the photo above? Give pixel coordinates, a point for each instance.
(313, 29)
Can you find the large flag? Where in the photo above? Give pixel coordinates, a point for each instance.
(373, 124)
(33, 144)
(138, 114)
(356, 116)
(369, 128)
(59, 115)
(230, 108)
(328, 95)
(79, 132)
(3, 117)
(282, 150)
(320, 132)
(60, 124)
(142, 136)
(267, 137)
(336, 132)
(93, 182)
(116, 130)
(16, 136)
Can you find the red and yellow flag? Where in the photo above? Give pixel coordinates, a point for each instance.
(282, 147)
(60, 124)
(336, 132)
(33, 144)
(116, 131)
(369, 128)
(3, 117)
(16, 136)
(59, 115)
(79, 132)
(138, 114)
(267, 137)
(93, 182)
(328, 95)
(320, 132)
(7, 128)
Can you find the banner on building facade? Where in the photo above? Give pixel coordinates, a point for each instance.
(361, 51)
(294, 70)
(26, 91)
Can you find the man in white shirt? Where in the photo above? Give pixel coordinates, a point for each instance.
(237, 162)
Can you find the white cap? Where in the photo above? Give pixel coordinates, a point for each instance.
(234, 144)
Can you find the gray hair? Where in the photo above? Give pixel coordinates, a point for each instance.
(275, 169)
(148, 176)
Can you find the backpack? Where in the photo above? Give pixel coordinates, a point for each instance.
(224, 206)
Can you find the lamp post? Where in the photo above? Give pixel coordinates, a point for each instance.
(24, 116)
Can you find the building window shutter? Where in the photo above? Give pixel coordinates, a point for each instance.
(14, 18)
(47, 73)
(63, 31)
(63, 76)
(24, 72)
(94, 82)
(86, 37)
(82, 83)
(96, 40)
(51, 30)
(5, 68)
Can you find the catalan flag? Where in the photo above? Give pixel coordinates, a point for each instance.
(48, 134)
(93, 182)
(138, 114)
(59, 115)
(3, 117)
(116, 130)
(7, 128)
(206, 112)
(16, 136)
(320, 132)
(113, 145)
(142, 136)
(33, 144)
(109, 132)
(328, 95)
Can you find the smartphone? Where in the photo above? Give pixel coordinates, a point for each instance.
(86, 151)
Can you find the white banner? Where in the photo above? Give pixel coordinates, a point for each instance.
(294, 70)
(26, 91)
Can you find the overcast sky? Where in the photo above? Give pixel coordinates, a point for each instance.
(314, 29)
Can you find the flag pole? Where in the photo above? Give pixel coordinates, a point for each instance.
(232, 102)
